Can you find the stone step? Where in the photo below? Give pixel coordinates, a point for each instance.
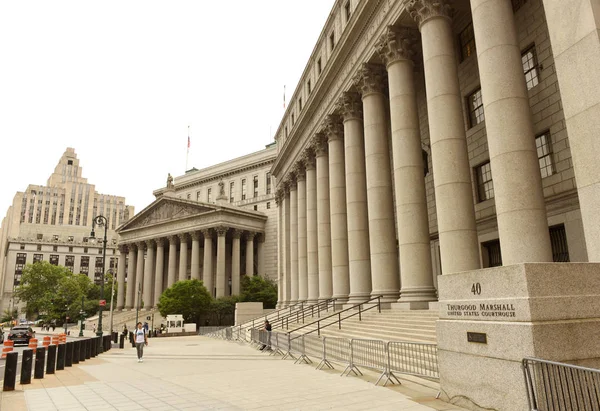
(409, 337)
(373, 329)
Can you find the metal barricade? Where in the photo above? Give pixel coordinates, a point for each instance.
(366, 353)
(553, 386)
(297, 347)
(313, 346)
(276, 347)
(335, 350)
(419, 359)
(209, 330)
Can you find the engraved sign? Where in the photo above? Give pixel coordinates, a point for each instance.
(480, 338)
(482, 310)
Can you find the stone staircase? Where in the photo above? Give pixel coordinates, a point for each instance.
(390, 324)
(124, 317)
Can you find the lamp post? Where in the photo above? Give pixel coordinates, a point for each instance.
(101, 221)
(82, 315)
(137, 308)
(112, 294)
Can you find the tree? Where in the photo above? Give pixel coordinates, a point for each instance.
(189, 298)
(223, 307)
(8, 315)
(259, 289)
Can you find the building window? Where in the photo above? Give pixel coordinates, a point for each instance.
(286, 132)
(98, 271)
(38, 258)
(85, 265)
(197, 195)
(70, 262)
(255, 183)
(243, 189)
(54, 259)
(493, 253)
(85, 250)
(268, 205)
(189, 196)
(268, 183)
(255, 208)
(467, 42)
(309, 87)
(39, 247)
(22, 246)
(54, 248)
(85, 239)
(19, 265)
(231, 192)
(293, 119)
(558, 239)
(485, 185)
(529, 59)
(99, 251)
(209, 195)
(40, 236)
(475, 106)
(347, 11)
(300, 103)
(332, 40)
(516, 4)
(544, 153)
(70, 249)
(319, 66)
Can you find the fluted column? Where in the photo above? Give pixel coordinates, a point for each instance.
(121, 277)
(172, 268)
(302, 251)
(359, 250)
(396, 49)
(280, 249)
(221, 278)
(183, 252)
(325, 284)
(195, 264)
(453, 190)
(159, 270)
(260, 255)
(131, 269)
(148, 275)
(235, 262)
(250, 254)
(520, 204)
(139, 275)
(287, 247)
(312, 247)
(207, 270)
(382, 234)
(293, 239)
(340, 270)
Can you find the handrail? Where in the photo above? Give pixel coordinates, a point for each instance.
(339, 314)
(277, 312)
(303, 313)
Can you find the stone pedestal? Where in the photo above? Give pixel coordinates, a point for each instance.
(491, 319)
(247, 311)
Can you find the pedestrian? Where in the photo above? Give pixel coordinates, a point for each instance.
(141, 339)
(94, 328)
(267, 328)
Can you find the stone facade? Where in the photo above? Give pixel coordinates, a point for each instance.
(406, 88)
(53, 223)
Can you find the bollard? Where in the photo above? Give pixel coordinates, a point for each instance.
(40, 356)
(122, 341)
(115, 337)
(60, 357)
(51, 361)
(75, 351)
(107, 343)
(99, 345)
(88, 348)
(26, 366)
(10, 371)
(131, 339)
(82, 350)
(8, 347)
(93, 345)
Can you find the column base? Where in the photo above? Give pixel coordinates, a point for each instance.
(413, 305)
(340, 299)
(418, 294)
(388, 296)
(312, 301)
(358, 298)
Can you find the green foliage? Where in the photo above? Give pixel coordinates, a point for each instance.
(223, 307)
(259, 289)
(8, 315)
(189, 298)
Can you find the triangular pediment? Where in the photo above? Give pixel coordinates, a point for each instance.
(166, 210)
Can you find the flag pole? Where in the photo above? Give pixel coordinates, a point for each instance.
(188, 151)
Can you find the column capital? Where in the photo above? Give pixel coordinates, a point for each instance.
(182, 237)
(310, 161)
(333, 128)
(123, 248)
(291, 181)
(300, 170)
(172, 239)
(221, 230)
(370, 79)
(279, 194)
(250, 235)
(195, 235)
(207, 233)
(350, 106)
(149, 243)
(237, 233)
(319, 144)
(141, 246)
(423, 10)
(397, 43)
(160, 242)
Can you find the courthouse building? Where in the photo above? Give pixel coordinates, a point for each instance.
(426, 139)
(53, 223)
(215, 224)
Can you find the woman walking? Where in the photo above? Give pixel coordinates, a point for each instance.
(141, 339)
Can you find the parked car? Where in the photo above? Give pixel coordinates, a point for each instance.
(1, 335)
(21, 334)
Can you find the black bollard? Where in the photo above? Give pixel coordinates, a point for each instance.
(88, 348)
(40, 357)
(76, 351)
(26, 366)
(115, 338)
(122, 341)
(93, 344)
(60, 357)
(69, 355)
(131, 339)
(109, 342)
(99, 345)
(10, 371)
(82, 350)
(51, 361)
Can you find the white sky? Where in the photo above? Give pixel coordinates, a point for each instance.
(120, 81)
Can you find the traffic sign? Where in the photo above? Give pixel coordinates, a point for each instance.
(102, 303)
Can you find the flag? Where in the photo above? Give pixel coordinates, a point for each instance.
(283, 96)
(188, 137)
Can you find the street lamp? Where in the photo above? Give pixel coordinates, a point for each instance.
(112, 294)
(100, 221)
(82, 316)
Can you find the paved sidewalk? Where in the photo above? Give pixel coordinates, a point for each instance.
(198, 373)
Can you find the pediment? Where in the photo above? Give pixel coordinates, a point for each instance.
(166, 210)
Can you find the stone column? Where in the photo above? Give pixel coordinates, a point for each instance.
(578, 77)
(325, 284)
(287, 247)
(453, 190)
(359, 250)
(235, 262)
(293, 239)
(172, 268)
(207, 270)
(221, 278)
(131, 269)
(250, 254)
(139, 275)
(183, 251)
(396, 49)
(520, 205)
(385, 277)
(121, 277)
(260, 255)
(302, 251)
(159, 270)
(280, 248)
(312, 246)
(340, 270)
(148, 272)
(195, 265)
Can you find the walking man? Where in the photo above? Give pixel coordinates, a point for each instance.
(141, 339)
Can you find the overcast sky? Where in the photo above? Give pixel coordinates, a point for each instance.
(120, 81)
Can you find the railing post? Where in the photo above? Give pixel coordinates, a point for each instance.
(319, 327)
(339, 321)
(359, 312)
(379, 304)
